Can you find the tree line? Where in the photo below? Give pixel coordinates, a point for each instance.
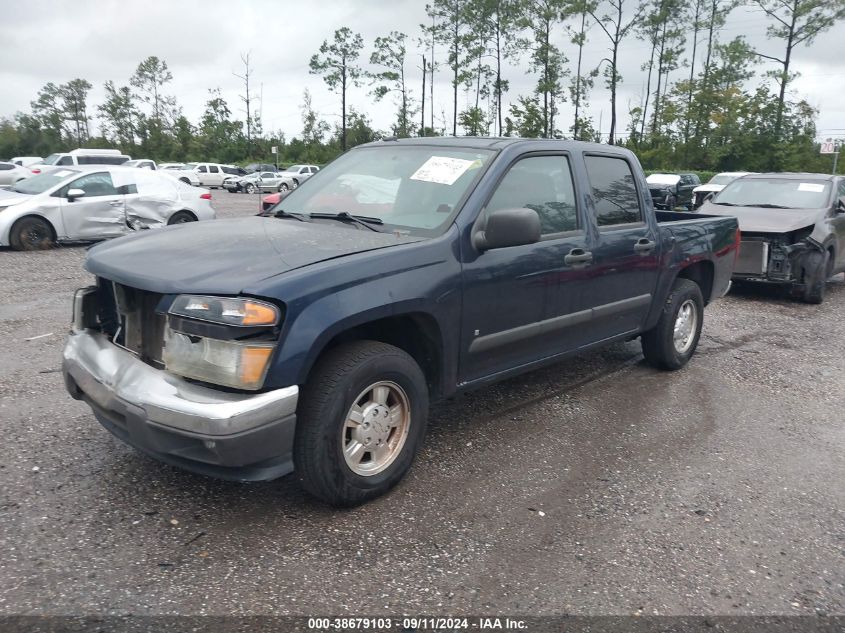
(707, 103)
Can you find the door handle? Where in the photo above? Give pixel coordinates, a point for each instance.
(578, 256)
(116, 203)
(644, 245)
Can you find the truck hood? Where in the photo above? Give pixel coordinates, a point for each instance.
(8, 198)
(762, 220)
(226, 256)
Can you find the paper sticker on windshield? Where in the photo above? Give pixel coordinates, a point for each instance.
(811, 186)
(442, 170)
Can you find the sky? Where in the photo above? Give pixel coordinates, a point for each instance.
(202, 42)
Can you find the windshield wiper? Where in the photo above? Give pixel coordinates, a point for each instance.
(290, 214)
(766, 205)
(345, 216)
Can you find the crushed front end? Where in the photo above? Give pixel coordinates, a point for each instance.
(781, 258)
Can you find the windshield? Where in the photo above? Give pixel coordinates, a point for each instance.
(789, 193)
(43, 182)
(294, 168)
(412, 188)
(721, 179)
(52, 159)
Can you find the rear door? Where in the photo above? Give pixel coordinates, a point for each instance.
(626, 250)
(215, 176)
(99, 214)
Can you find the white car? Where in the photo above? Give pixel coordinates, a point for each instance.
(181, 172)
(141, 163)
(10, 173)
(713, 186)
(209, 174)
(95, 203)
(297, 174)
(81, 157)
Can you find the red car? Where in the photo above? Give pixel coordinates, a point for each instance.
(268, 202)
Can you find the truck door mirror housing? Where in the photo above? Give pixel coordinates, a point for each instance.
(73, 194)
(508, 227)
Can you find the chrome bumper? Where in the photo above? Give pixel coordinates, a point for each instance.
(107, 373)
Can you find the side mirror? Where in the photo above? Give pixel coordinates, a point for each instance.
(508, 227)
(73, 194)
(840, 205)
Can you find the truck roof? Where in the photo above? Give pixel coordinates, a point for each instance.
(496, 143)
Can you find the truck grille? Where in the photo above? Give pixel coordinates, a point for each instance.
(128, 315)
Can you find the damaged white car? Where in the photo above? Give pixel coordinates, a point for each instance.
(95, 203)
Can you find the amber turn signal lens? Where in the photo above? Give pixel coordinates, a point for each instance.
(253, 364)
(258, 314)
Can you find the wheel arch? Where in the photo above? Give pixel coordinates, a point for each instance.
(53, 231)
(702, 273)
(416, 333)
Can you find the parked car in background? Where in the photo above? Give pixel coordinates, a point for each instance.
(714, 186)
(793, 229)
(10, 173)
(209, 174)
(141, 163)
(81, 157)
(26, 161)
(672, 190)
(271, 200)
(234, 170)
(182, 172)
(312, 341)
(300, 173)
(95, 203)
(259, 181)
(260, 167)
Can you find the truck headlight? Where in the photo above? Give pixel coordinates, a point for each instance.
(226, 310)
(241, 364)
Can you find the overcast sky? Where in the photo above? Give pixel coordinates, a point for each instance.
(201, 41)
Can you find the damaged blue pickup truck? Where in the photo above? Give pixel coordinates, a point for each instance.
(312, 340)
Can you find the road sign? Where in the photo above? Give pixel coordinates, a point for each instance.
(828, 147)
(275, 150)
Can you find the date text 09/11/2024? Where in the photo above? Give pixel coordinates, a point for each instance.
(416, 624)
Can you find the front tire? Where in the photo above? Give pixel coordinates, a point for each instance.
(817, 269)
(31, 234)
(672, 342)
(283, 187)
(361, 419)
(249, 188)
(670, 203)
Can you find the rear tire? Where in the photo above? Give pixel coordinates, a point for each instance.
(670, 203)
(349, 447)
(672, 342)
(181, 217)
(31, 234)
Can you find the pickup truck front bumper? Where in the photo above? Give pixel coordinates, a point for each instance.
(237, 436)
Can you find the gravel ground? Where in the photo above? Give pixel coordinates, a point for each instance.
(598, 486)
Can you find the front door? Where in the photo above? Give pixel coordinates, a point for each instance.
(511, 295)
(99, 214)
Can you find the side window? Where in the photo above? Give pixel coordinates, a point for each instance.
(544, 184)
(201, 169)
(65, 160)
(268, 174)
(213, 169)
(614, 191)
(314, 170)
(841, 188)
(6, 166)
(94, 185)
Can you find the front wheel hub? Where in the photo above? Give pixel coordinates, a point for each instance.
(376, 428)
